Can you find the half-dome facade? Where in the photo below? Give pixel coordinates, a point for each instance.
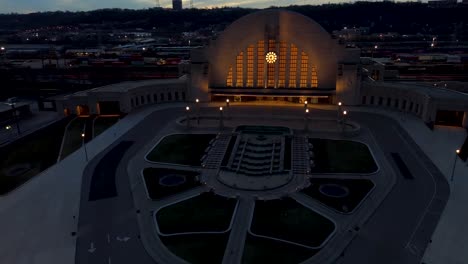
(276, 55)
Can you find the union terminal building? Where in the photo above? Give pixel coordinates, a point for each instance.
(276, 55)
(279, 56)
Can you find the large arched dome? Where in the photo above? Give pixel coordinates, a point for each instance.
(283, 27)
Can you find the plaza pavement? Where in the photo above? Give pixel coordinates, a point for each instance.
(38, 218)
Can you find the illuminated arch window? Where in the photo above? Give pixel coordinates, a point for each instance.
(304, 66)
(282, 65)
(293, 67)
(229, 78)
(314, 79)
(260, 63)
(250, 62)
(250, 69)
(240, 69)
(271, 66)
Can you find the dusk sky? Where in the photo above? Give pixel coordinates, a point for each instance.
(28, 6)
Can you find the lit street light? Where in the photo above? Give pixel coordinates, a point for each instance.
(221, 124)
(305, 104)
(227, 108)
(454, 164)
(306, 120)
(84, 146)
(187, 117)
(197, 106)
(15, 117)
(345, 113)
(339, 112)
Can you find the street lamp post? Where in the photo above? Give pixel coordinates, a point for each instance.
(197, 110)
(8, 128)
(343, 126)
(306, 120)
(221, 124)
(305, 104)
(227, 108)
(84, 146)
(339, 112)
(15, 117)
(187, 117)
(454, 164)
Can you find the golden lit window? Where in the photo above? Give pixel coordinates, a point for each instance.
(270, 66)
(314, 79)
(229, 78)
(250, 62)
(304, 67)
(260, 63)
(282, 65)
(293, 67)
(240, 70)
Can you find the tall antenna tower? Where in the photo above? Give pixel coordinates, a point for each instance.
(158, 4)
(191, 4)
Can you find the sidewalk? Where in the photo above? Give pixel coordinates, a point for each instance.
(449, 241)
(37, 218)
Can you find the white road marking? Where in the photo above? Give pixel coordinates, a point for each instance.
(109, 260)
(124, 239)
(91, 248)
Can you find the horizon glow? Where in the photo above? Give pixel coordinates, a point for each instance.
(31, 6)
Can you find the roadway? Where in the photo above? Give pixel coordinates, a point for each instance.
(107, 228)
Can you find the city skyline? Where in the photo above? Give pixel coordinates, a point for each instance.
(26, 6)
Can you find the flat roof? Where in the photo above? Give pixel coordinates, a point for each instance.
(430, 90)
(123, 87)
(5, 106)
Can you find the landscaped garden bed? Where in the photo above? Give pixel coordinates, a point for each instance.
(204, 213)
(184, 149)
(343, 195)
(288, 220)
(161, 183)
(341, 156)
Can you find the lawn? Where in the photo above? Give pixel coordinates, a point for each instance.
(38, 150)
(204, 213)
(157, 191)
(288, 220)
(197, 248)
(73, 139)
(358, 189)
(341, 156)
(263, 250)
(185, 149)
(101, 124)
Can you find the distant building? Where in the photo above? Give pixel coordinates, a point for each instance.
(442, 3)
(177, 4)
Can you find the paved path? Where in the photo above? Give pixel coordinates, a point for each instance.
(235, 245)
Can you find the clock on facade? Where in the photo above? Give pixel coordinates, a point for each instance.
(271, 57)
